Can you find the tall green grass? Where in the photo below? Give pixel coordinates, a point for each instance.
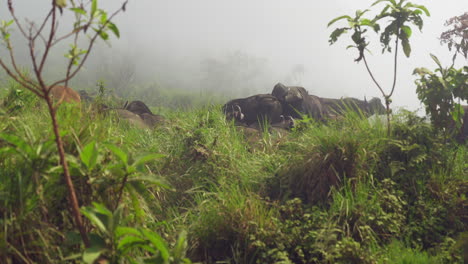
(338, 192)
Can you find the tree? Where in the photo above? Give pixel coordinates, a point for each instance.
(441, 89)
(41, 39)
(398, 16)
(457, 36)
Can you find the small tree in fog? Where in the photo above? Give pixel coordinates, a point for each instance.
(398, 17)
(42, 38)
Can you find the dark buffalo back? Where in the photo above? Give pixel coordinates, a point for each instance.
(296, 102)
(137, 107)
(256, 108)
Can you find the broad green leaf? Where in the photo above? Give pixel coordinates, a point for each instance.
(121, 231)
(153, 180)
(102, 209)
(78, 10)
(61, 3)
(406, 47)
(336, 34)
(129, 241)
(158, 243)
(103, 17)
(89, 155)
(90, 255)
(91, 215)
(114, 29)
(407, 31)
(22, 147)
(423, 8)
(422, 71)
(102, 33)
(366, 22)
(338, 18)
(119, 153)
(93, 8)
(144, 159)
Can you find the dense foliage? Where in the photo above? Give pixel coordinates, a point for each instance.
(199, 188)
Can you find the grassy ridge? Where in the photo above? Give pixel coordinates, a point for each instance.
(343, 192)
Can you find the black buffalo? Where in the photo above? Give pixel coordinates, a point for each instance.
(138, 114)
(260, 108)
(336, 107)
(296, 101)
(137, 107)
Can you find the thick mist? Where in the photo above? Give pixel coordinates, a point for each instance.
(237, 48)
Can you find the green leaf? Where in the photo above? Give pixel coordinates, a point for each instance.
(434, 58)
(153, 180)
(158, 243)
(103, 17)
(144, 159)
(338, 18)
(407, 30)
(22, 147)
(336, 34)
(423, 8)
(61, 3)
(78, 10)
(422, 71)
(93, 8)
(366, 22)
(89, 155)
(119, 153)
(114, 29)
(102, 33)
(91, 215)
(129, 242)
(406, 47)
(121, 231)
(90, 255)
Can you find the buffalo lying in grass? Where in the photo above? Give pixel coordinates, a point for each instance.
(257, 109)
(65, 94)
(137, 107)
(296, 101)
(337, 107)
(137, 113)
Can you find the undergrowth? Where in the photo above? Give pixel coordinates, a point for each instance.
(199, 188)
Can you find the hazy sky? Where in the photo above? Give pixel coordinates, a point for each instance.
(286, 33)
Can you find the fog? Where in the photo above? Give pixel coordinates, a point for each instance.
(238, 48)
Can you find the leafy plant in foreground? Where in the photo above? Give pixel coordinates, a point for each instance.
(87, 16)
(114, 242)
(399, 16)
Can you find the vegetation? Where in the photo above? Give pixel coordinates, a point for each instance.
(199, 189)
(398, 17)
(196, 189)
(443, 90)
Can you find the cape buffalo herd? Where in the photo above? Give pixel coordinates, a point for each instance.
(294, 102)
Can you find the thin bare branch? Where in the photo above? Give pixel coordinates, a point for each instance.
(51, 36)
(90, 46)
(39, 30)
(372, 76)
(395, 65)
(18, 24)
